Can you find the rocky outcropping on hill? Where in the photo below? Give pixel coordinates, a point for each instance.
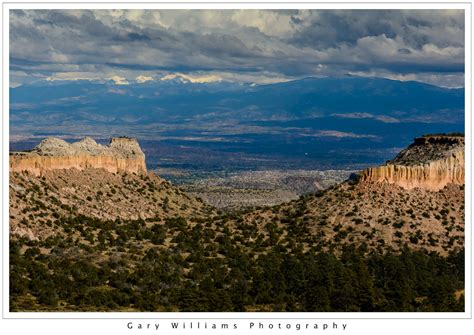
(431, 162)
(122, 154)
(415, 200)
(382, 211)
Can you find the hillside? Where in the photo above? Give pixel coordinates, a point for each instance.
(57, 179)
(378, 216)
(92, 240)
(422, 208)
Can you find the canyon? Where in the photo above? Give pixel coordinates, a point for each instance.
(415, 199)
(86, 239)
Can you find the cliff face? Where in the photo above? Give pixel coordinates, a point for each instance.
(430, 163)
(121, 155)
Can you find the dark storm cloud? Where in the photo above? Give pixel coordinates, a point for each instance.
(287, 43)
(415, 27)
(138, 37)
(331, 28)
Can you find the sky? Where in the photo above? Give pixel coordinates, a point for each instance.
(258, 46)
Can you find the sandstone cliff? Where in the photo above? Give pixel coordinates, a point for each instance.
(120, 155)
(431, 162)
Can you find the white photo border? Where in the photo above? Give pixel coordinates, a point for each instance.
(467, 314)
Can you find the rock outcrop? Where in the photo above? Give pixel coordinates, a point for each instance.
(122, 154)
(431, 162)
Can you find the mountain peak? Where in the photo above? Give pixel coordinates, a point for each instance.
(184, 78)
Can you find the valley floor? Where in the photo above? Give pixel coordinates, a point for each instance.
(247, 189)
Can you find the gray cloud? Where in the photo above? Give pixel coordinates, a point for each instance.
(285, 44)
(328, 28)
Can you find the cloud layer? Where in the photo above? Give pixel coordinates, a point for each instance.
(236, 45)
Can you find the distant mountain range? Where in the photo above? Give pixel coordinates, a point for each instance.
(311, 117)
(159, 101)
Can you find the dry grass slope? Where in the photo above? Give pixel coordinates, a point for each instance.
(37, 203)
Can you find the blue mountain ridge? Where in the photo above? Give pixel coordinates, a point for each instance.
(334, 119)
